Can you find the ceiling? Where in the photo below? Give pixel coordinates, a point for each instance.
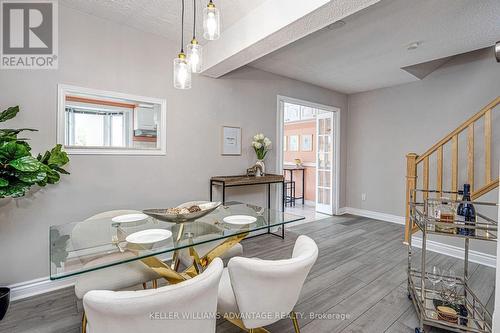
(162, 17)
(369, 51)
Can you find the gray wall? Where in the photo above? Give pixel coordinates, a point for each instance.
(102, 55)
(386, 124)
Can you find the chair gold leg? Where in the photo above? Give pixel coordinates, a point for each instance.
(293, 315)
(239, 323)
(155, 284)
(84, 322)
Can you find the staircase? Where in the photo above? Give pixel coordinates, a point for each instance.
(416, 162)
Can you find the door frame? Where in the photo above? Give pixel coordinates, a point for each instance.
(280, 132)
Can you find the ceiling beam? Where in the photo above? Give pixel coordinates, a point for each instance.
(271, 26)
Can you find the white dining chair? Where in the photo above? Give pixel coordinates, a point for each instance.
(189, 307)
(251, 286)
(117, 277)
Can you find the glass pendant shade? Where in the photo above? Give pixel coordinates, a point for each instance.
(182, 72)
(195, 56)
(211, 22)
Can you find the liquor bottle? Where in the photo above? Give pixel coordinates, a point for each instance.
(466, 214)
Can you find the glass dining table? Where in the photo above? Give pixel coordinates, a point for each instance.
(85, 246)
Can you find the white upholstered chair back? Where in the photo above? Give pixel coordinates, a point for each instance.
(87, 233)
(153, 311)
(112, 213)
(265, 286)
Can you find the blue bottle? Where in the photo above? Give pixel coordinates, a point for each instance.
(466, 214)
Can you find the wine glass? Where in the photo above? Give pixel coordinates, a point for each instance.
(449, 279)
(435, 276)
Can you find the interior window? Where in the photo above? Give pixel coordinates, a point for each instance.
(104, 122)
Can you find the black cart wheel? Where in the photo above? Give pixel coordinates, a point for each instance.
(418, 330)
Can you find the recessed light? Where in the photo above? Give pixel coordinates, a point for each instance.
(413, 45)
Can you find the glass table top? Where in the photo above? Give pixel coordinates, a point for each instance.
(84, 246)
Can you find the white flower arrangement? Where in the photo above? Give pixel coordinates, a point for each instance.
(261, 144)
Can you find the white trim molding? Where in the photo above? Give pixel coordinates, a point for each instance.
(44, 285)
(65, 89)
(38, 286)
(449, 250)
(280, 130)
(374, 215)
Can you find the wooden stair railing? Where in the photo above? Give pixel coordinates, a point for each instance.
(413, 160)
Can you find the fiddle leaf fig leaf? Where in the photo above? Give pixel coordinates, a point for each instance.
(43, 158)
(15, 190)
(13, 150)
(61, 170)
(9, 113)
(19, 169)
(9, 131)
(53, 177)
(57, 158)
(32, 177)
(26, 164)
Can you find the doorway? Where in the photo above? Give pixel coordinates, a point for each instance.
(308, 153)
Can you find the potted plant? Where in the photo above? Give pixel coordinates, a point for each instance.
(261, 144)
(20, 170)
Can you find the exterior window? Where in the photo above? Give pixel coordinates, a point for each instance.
(96, 128)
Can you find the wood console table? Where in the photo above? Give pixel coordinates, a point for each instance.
(234, 181)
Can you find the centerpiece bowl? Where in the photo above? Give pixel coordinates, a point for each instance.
(163, 214)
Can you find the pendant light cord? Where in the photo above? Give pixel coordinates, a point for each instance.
(194, 19)
(182, 28)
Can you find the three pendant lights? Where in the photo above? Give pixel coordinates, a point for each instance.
(191, 61)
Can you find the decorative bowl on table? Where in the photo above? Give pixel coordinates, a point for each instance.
(185, 212)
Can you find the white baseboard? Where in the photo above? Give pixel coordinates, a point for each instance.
(456, 252)
(373, 215)
(38, 286)
(450, 250)
(44, 285)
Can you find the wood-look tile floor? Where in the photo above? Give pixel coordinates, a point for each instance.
(358, 283)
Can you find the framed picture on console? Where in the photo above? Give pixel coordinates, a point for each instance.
(231, 141)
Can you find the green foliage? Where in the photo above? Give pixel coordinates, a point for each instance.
(19, 169)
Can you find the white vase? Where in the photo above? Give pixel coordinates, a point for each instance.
(263, 166)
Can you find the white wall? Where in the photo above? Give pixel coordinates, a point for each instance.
(386, 124)
(102, 55)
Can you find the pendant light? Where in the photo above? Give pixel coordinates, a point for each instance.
(211, 22)
(182, 68)
(194, 49)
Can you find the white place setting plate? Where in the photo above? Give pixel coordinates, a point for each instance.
(128, 218)
(239, 219)
(148, 237)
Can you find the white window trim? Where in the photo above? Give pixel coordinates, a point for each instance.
(64, 89)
